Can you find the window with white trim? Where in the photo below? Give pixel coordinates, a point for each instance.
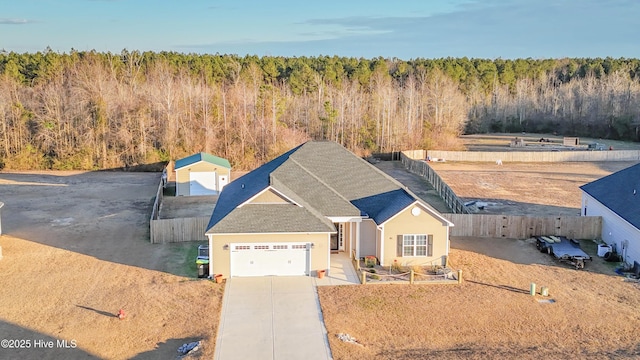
(417, 245)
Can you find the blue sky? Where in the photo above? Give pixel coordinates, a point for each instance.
(404, 29)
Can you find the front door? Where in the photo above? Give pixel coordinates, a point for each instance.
(337, 239)
(334, 242)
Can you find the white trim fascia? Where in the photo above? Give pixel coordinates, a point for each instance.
(328, 255)
(425, 208)
(448, 243)
(271, 233)
(210, 242)
(268, 188)
(344, 219)
(381, 244)
(199, 161)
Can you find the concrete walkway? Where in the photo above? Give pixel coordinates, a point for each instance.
(340, 273)
(271, 318)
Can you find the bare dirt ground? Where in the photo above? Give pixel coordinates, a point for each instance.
(174, 207)
(500, 142)
(75, 250)
(492, 314)
(544, 189)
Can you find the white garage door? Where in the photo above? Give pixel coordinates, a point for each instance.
(264, 259)
(202, 183)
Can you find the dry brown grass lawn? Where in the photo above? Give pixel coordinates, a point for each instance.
(491, 315)
(75, 250)
(525, 188)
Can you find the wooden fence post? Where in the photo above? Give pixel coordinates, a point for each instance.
(411, 277)
(364, 277)
(459, 276)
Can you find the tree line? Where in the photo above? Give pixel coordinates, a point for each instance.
(92, 110)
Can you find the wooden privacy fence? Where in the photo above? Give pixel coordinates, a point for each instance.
(178, 230)
(158, 201)
(423, 169)
(536, 156)
(522, 227)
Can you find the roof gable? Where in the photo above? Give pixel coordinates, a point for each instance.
(381, 207)
(244, 188)
(190, 160)
(620, 192)
(269, 196)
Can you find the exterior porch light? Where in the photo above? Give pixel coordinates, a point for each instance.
(225, 247)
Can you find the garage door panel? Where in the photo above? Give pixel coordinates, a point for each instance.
(269, 259)
(202, 183)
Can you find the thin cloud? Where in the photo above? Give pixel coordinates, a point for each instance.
(5, 21)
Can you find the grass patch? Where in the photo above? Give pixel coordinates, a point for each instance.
(182, 261)
(591, 248)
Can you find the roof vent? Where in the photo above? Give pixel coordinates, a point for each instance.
(242, 186)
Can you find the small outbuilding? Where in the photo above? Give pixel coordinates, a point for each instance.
(201, 174)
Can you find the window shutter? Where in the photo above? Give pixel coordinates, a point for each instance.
(399, 246)
(429, 245)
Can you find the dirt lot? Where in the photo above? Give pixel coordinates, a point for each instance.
(491, 315)
(524, 188)
(500, 142)
(75, 250)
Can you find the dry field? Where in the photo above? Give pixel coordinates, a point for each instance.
(491, 315)
(75, 250)
(525, 188)
(500, 142)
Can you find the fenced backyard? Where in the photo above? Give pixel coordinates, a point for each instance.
(522, 227)
(507, 226)
(532, 156)
(178, 223)
(164, 231)
(423, 169)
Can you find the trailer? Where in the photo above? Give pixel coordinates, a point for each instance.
(563, 249)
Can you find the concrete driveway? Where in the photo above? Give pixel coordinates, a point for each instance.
(271, 318)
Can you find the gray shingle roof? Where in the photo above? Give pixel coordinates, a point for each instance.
(310, 188)
(324, 178)
(270, 218)
(381, 207)
(620, 192)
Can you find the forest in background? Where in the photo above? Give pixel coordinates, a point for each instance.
(92, 110)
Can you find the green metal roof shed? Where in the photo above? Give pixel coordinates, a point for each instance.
(201, 174)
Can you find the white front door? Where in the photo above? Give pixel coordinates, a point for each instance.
(222, 181)
(202, 183)
(264, 259)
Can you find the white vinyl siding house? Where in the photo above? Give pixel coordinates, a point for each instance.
(616, 231)
(616, 198)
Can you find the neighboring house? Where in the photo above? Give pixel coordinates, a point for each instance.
(287, 217)
(616, 198)
(201, 174)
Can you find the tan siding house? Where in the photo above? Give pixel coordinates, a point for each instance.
(288, 216)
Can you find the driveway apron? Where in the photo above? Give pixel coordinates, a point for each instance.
(271, 317)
